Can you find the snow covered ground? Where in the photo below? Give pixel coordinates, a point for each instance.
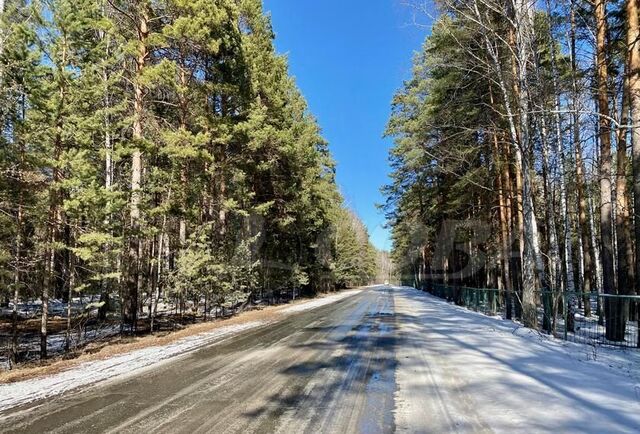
(462, 371)
(56, 341)
(32, 308)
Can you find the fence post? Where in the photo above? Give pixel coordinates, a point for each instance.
(565, 314)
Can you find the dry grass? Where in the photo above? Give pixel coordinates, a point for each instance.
(121, 345)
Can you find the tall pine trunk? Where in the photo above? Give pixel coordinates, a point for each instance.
(633, 77)
(532, 266)
(589, 278)
(504, 214)
(564, 203)
(604, 124)
(55, 214)
(633, 65)
(623, 228)
(108, 175)
(13, 353)
(551, 232)
(135, 245)
(71, 287)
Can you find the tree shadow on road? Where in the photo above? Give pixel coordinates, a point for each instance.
(348, 377)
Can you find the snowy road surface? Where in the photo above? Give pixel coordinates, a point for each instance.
(383, 360)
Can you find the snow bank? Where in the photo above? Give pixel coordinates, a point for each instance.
(462, 371)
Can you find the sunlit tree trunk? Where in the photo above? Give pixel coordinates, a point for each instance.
(135, 245)
(633, 77)
(589, 278)
(564, 204)
(504, 214)
(625, 266)
(17, 277)
(605, 168)
(633, 65)
(532, 267)
(625, 242)
(554, 276)
(184, 177)
(71, 288)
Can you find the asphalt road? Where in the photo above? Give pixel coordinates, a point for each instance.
(329, 370)
(382, 360)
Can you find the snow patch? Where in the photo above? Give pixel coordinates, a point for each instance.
(462, 371)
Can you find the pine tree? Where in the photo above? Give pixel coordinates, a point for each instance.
(20, 180)
(158, 151)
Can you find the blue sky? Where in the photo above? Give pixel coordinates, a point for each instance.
(349, 57)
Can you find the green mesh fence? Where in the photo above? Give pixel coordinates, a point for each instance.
(589, 318)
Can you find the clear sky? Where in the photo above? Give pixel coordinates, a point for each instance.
(349, 57)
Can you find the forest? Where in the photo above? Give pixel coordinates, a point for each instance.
(517, 146)
(157, 158)
(189, 237)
